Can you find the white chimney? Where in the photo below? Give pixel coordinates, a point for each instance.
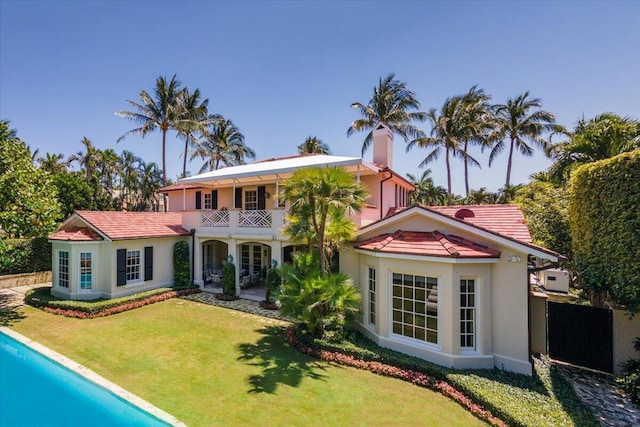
(383, 146)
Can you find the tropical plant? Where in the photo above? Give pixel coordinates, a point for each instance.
(229, 280)
(223, 143)
(426, 191)
(181, 265)
(390, 105)
(160, 111)
(604, 136)
(88, 160)
(480, 196)
(324, 304)
(53, 163)
(194, 117)
(28, 203)
(150, 182)
(519, 123)
(272, 284)
(319, 199)
(129, 168)
(313, 145)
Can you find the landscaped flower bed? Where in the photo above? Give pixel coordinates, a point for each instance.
(417, 378)
(41, 298)
(223, 297)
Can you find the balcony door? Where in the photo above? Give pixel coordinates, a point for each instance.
(255, 199)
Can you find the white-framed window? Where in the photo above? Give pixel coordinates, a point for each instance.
(63, 269)
(415, 307)
(251, 200)
(207, 201)
(371, 291)
(133, 266)
(86, 271)
(467, 314)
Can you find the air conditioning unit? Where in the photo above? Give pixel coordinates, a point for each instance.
(554, 280)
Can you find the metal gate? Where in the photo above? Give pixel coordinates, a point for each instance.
(580, 335)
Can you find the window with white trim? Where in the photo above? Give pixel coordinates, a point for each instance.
(371, 280)
(86, 276)
(133, 266)
(63, 269)
(251, 200)
(207, 201)
(467, 314)
(415, 307)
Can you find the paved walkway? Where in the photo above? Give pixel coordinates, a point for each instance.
(245, 305)
(11, 298)
(610, 404)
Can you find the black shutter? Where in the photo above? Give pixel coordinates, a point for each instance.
(214, 199)
(198, 199)
(121, 267)
(262, 199)
(238, 204)
(148, 263)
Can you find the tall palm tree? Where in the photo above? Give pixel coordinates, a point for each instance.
(109, 170)
(53, 163)
(87, 159)
(313, 145)
(160, 111)
(150, 182)
(389, 105)
(130, 166)
(426, 191)
(519, 121)
(223, 143)
(194, 118)
(450, 128)
(319, 199)
(604, 136)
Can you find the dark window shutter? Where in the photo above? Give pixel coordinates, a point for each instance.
(148, 263)
(198, 199)
(214, 199)
(121, 267)
(262, 199)
(238, 204)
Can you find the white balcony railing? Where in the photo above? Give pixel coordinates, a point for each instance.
(215, 218)
(259, 219)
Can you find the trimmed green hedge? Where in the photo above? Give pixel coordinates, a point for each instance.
(24, 255)
(229, 280)
(181, 265)
(604, 216)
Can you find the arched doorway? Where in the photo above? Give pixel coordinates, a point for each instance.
(214, 257)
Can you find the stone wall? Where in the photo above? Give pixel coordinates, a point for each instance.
(25, 279)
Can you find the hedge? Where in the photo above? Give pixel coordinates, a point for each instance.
(604, 217)
(181, 265)
(24, 255)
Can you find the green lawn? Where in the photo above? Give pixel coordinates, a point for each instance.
(212, 366)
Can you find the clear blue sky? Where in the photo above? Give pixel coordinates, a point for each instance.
(285, 70)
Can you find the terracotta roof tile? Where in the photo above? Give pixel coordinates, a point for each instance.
(427, 243)
(135, 225)
(76, 234)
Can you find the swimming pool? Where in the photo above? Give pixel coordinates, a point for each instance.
(37, 391)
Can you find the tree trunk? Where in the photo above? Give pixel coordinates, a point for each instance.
(466, 170)
(164, 168)
(184, 161)
(509, 162)
(449, 198)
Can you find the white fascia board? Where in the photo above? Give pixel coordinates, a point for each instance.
(468, 228)
(423, 258)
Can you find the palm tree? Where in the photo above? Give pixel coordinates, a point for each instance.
(389, 105)
(313, 145)
(319, 199)
(150, 182)
(53, 163)
(87, 160)
(604, 136)
(109, 170)
(480, 196)
(426, 191)
(194, 117)
(450, 128)
(223, 143)
(518, 121)
(130, 166)
(161, 111)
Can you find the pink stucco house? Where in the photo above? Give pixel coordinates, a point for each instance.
(447, 284)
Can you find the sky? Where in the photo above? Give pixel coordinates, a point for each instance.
(283, 71)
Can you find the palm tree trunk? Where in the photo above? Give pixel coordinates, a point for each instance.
(184, 161)
(466, 170)
(164, 167)
(509, 162)
(449, 198)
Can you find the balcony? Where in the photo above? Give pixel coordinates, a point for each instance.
(253, 222)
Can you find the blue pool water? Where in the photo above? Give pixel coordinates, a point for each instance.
(36, 391)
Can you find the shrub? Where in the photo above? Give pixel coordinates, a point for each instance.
(630, 379)
(24, 255)
(181, 265)
(605, 226)
(272, 284)
(229, 280)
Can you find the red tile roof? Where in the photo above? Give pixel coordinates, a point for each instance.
(135, 225)
(427, 243)
(506, 220)
(76, 234)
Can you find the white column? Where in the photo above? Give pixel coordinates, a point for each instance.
(197, 262)
(233, 251)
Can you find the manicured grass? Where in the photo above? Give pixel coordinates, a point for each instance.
(211, 366)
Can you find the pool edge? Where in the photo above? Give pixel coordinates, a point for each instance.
(94, 377)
